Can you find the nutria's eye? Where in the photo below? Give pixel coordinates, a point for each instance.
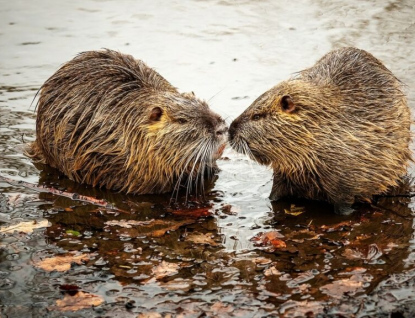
(181, 120)
(156, 114)
(257, 116)
(287, 104)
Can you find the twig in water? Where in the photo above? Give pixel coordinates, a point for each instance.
(70, 195)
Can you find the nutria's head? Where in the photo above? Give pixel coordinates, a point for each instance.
(282, 126)
(181, 136)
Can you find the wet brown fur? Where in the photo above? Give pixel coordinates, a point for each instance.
(107, 119)
(343, 137)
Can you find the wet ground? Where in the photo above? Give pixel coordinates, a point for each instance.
(237, 253)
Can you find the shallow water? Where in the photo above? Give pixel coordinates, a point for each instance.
(210, 261)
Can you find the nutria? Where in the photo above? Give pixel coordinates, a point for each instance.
(109, 120)
(338, 131)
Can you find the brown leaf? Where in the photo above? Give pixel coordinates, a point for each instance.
(295, 210)
(78, 301)
(269, 238)
(200, 238)
(261, 260)
(150, 314)
(61, 263)
(352, 254)
(128, 223)
(271, 271)
(165, 269)
(193, 213)
(220, 308)
(170, 227)
(25, 227)
(339, 287)
(178, 284)
(336, 227)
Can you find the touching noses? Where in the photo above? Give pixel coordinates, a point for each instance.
(221, 130)
(232, 130)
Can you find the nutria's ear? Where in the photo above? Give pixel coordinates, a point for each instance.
(156, 113)
(287, 104)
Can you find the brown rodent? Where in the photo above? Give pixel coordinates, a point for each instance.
(106, 119)
(338, 131)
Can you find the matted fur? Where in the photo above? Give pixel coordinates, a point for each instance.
(107, 119)
(344, 138)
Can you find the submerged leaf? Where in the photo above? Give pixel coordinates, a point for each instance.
(25, 227)
(295, 210)
(128, 223)
(61, 263)
(165, 269)
(72, 232)
(269, 238)
(200, 238)
(80, 300)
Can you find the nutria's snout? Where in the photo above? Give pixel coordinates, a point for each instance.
(233, 128)
(221, 130)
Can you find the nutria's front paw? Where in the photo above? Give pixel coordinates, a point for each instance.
(275, 195)
(343, 209)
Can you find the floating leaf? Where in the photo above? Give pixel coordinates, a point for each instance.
(73, 232)
(269, 238)
(25, 227)
(165, 269)
(80, 300)
(61, 263)
(128, 223)
(171, 226)
(340, 287)
(193, 213)
(271, 271)
(200, 238)
(150, 314)
(295, 210)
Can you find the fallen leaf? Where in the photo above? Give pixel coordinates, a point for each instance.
(165, 269)
(78, 301)
(295, 210)
(61, 263)
(172, 226)
(261, 260)
(336, 227)
(128, 223)
(271, 271)
(150, 314)
(193, 213)
(200, 238)
(219, 308)
(352, 254)
(25, 227)
(178, 284)
(339, 287)
(269, 238)
(73, 232)
(293, 308)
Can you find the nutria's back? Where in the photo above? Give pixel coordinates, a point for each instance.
(107, 119)
(338, 131)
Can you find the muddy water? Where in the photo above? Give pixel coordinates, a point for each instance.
(213, 259)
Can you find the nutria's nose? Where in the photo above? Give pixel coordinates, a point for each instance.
(233, 128)
(221, 130)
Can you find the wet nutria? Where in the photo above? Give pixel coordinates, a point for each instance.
(338, 131)
(109, 120)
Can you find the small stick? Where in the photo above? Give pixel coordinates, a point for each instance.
(72, 196)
